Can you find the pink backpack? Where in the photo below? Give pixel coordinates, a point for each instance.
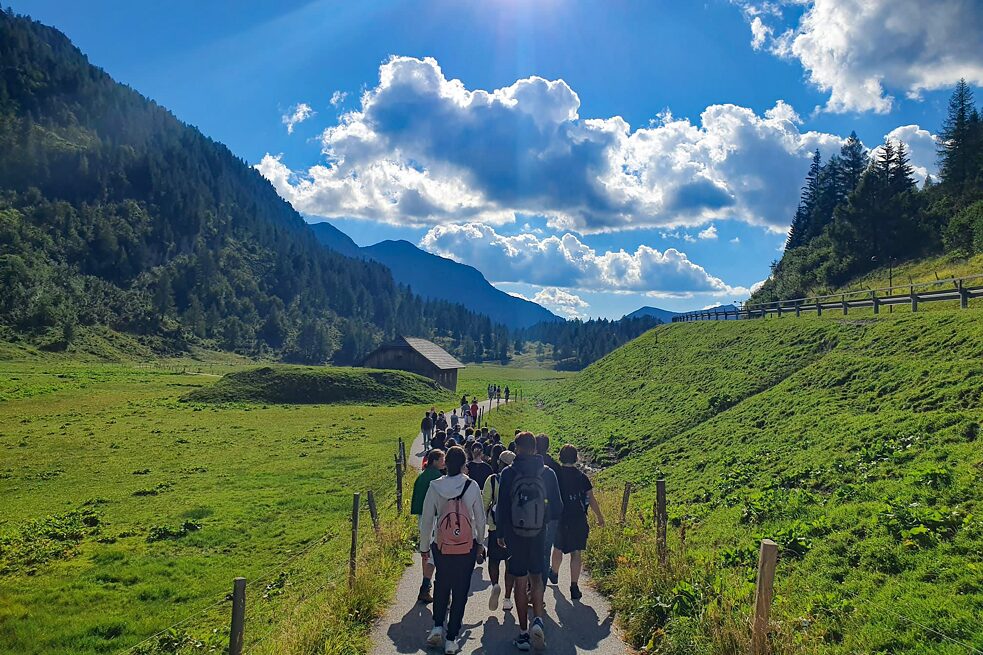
(455, 535)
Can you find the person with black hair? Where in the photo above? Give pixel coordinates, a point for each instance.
(451, 526)
(478, 468)
(434, 464)
(496, 552)
(426, 427)
(572, 533)
(528, 499)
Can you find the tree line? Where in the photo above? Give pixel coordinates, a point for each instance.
(859, 211)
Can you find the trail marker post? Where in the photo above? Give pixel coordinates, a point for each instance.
(763, 591)
(238, 616)
(373, 512)
(352, 555)
(624, 501)
(399, 486)
(661, 520)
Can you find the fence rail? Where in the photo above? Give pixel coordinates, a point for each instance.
(913, 294)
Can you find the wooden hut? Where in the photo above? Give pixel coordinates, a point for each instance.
(417, 356)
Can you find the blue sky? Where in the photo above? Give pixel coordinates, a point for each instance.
(597, 156)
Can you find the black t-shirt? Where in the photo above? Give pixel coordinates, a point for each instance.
(479, 472)
(574, 485)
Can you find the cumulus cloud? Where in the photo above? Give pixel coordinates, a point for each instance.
(859, 51)
(562, 303)
(566, 262)
(338, 97)
(709, 233)
(296, 115)
(425, 150)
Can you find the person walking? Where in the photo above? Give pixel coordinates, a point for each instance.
(455, 420)
(474, 412)
(434, 464)
(451, 524)
(571, 535)
(543, 450)
(426, 427)
(507, 392)
(529, 497)
(478, 468)
(496, 552)
(441, 422)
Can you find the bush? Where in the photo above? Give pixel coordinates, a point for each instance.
(964, 233)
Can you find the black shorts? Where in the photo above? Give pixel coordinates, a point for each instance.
(571, 534)
(496, 553)
(526, 555)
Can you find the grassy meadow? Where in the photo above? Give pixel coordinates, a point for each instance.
(852, 443)
(126, 509)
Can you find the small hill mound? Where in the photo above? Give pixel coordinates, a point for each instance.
(312, 385)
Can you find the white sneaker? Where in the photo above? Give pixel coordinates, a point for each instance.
(493, 599)
(451, 647)
(536, 634)
(435, 637)
(507, 605)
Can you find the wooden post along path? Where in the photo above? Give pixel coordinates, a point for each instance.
(238, 616)
(353, 554)
(373, 511)
(624, 502)
(763, 592)
(661, 520)
(399, 486)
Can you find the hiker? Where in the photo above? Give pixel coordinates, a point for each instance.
(496, 552)
(434, 463)
(441, 422)
(542, 449)
(464, 400)
(528, 499)
(455, 420)
(438, 440)
(478, 469)
(474, 412)
(507, 394)
(571, 535)
(452, 522)
(426, 427)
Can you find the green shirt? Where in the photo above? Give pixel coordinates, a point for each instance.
(420, 487)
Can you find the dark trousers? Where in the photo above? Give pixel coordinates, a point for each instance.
(451, 585)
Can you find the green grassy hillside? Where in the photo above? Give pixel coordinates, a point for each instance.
(853, 443)
(305, 385)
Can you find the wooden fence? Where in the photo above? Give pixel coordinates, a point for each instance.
(912, 295)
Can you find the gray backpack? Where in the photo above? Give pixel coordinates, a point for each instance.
(527, 498)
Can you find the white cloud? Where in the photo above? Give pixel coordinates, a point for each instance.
(296, 115)
(338, 97)
(424, 150)
(560, 302)
(860, 51)
(708, 234)
(736, 240)
(566, 262)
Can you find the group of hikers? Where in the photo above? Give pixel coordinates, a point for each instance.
(479, 498)
(495, 392)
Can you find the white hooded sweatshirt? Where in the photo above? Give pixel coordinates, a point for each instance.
(441, 490)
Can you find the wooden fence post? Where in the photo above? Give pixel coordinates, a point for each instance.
(763, 591)
(846, 306)
(963, 297)
(402, 453)
(373, 512)
(352, 555)
(819, 307)
(238, 616)
(875, 302)
(914, 299)
(399, 487)
(661, 520)
(624, 501)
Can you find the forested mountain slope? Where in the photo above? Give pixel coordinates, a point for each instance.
(113, 212)
(852, 443)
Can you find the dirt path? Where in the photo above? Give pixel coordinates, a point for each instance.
(583, 626)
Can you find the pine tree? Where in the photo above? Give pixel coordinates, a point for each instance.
(855, 161)
(955, 141)
(800, 230)
(901, 175)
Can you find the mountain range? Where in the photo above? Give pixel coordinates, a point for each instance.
(439, 278)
